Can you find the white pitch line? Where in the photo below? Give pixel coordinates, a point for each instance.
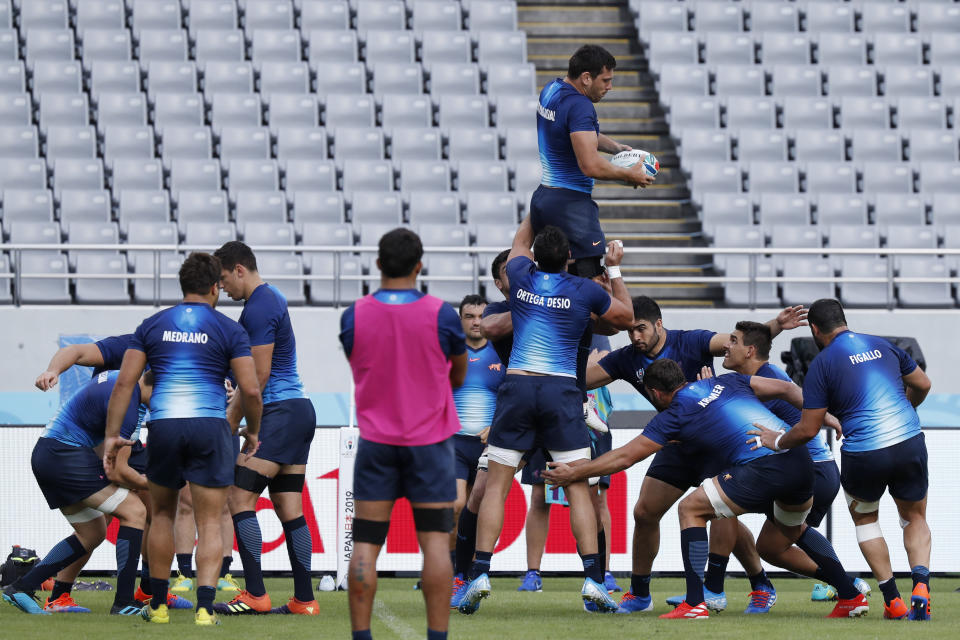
(399, 628)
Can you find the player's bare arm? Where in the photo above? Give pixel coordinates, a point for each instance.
(262, 362)
(773, 389)
(597, 376)
(522, 241)
(609, 463)
(496, 325)
(606, 144)
(131, 369)
(917, 386)
(789, 318)
(85, 355)
(245, 372)
(620, 313)
(809, 426)
(458, 369)
(594, 165)
(124, 475)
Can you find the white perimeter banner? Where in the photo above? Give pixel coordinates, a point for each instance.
(25, 519)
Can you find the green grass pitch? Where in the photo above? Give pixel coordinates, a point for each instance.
(554, 614)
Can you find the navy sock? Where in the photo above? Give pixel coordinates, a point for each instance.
(158, 588)
(920, 574)
(602, 548)
(185, 564)
(466, 541)
(128, 556)
(60, 588)
(300, 552)
(250, 544)
(63, 554)
(225, 565)
(821, 551)
(640, 585)
(695, 548)
(145, 578)
(889, 590)
(593, 567)
(481, 564)
(759, 579)
(362, 635)
(716, 571)
(205, 597)
(436, 635)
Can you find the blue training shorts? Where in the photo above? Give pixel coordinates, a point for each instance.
(66, 473)
(601, 443)
(286, 431)
(138, 457)
(902, 468)
(826, 485)
(419, 474)
(682, 466)
(575, 213)
(197, 450)
(467, 450)
(784, 477)
(539, 410)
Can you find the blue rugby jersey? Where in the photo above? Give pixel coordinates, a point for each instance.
(476, 399)
(563, 110)
(689, 349)
(82, 420)
(267, 321)
(857, 378)
(715, 415)
(817, 447)
(550, 313)
(504, 345)
(112, 350)
(189, 347)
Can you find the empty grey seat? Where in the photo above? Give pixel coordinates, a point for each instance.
(91, 232)
(728, 48)
(415, 144)
(358, 142)
(258, 175)
(796, 80)
(64, 109)
(381, 14)
(813, 145)
(450, 277)
(105, 45)
(328, 233)
(863, 112)
(372, 207)
(220, 45)
(920, 112)
(449, 46)
(682, 80)
(489, 15)
(77, 173)
(397, 77)
(720, 177)
(498, 236)
(705, 144)
(71, 142)
(212, 14)
(938, 17)
(349, 111)
(454, 78)
(897, 48)
(468, 111)
(135, 173)
(267, 14)
(389, 46)
(673, 47)
(738, 294)
(122, 143)
(878, 16)
(433, 207)
(829, 16)
(739, 80)
(244, 142)
(876, 144)
(12, 77)
(48, 44)
(515, 111)
(406, 111)
(709, 16)
(19, 142)
(115, 77)
(43, 14)
(787, 236)
(931, 144)
(45, 290)
(430, 14)
(527, 174)
(178, 109)
(851, 80)
(168, 289)
(841, 208)
(345, 78)
(79, 205)
(227, 77)
(944, 47)
(444, 234)
(100, 14)
(144, 208)
(946, 208)
(916, 294)
(48, 76)
(761, 144)
(260, 206)
(863, 294)
(324, 14)
(124, 109)
(284, 77)
(830, 177)
(211, 234)
(784, 48)
(367, 175)
(162, 45)
(719, 209)
(481, 175)
(747, 111)
(473, 144)
(156, 14)
(887, 177)
(842, 48)
(502, 47)
(424, 175)
(202, 206)
(726, 236)
(105, 290)
(939, 177)
(330, 287)
(907, 80)
(275, 45)
(317, 206)
(274, 265)
(37, 231)
(235, 110)
(309, 175)
(853, 236)
(688, 111)
(773, 16)
(301, 143)
(910, 236)
(794, 293)
(784, 208)
(327, 46)
(23, 173)
(269, 233)
(164, 76)
(807, 113)
(491, 208)
(15, 110)
(775, 177)
(186, 142)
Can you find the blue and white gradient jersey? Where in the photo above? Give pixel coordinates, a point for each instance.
(267, 321)
(189, 347)
(715, 415)
(689, 349)
(817, 447)
(563, 110)
(82, 420)
(476, 399)
(858, 378)
(112, 350)
(550, 312)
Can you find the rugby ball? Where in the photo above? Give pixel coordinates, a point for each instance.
(627, 159)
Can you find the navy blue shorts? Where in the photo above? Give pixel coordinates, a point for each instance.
(536, 461)
(467, 450)
(902, 468)
(286, 431)
(539, 410)
(66, 473)
(826, 485)
(682, 466)
(138, 457)
(197, 450)
(786, 478)
(419, 474)
(577, 215)
(601, 443)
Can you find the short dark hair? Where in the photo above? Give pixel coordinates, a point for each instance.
(664, 375)
(235, 252)
(498, 263)
(826, 314)
(592, 59)
(757, 335)
(646, 308)
(472, 298)
(199, 272)
(551, 249)
(399, 252)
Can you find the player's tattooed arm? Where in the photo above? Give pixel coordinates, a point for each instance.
(85, 355)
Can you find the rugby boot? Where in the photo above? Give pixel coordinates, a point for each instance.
(227, 583)
(64, 604)
(160, 615)
(173, 601)
(630, 603)
(685, 612)
(611, 583)
(920, 602)
(244, 603)
(132, 608)
(531, 582)
(896, 609)
(862, 586)
(761, 600)
(47, 585)
(714, 601)
(23, 600)
(203, 618)
(823, 593)
(456, 595)
(853, 608)
(181, 584)
(477, 590)
(597, 594)
(296, 607)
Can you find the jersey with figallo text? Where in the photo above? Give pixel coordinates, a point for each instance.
(476, 398)
(858, 378)
(267, 321)
(715, 415)
(550, 312)
(563, 110)
(819, 451)
(189, 347)
(82, 420)
(689, 349)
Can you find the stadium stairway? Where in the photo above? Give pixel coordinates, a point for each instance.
(661, 216)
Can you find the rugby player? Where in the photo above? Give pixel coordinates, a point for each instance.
(716, 414)
(286, 431)
(190, 348)
(873, 388)
(540, 402)
(407, 352)
(72, 480)
(678, 467)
